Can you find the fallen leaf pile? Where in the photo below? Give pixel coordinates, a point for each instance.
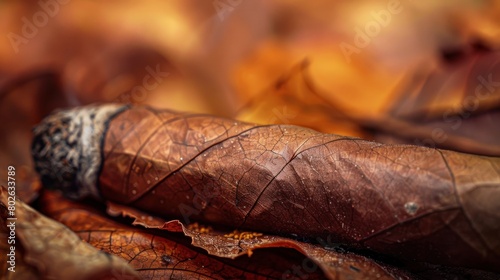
(250, 140)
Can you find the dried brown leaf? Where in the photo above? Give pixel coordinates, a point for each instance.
(162, 255)
(453, 106)
(295, 100)
(55, 251)
(335, 264)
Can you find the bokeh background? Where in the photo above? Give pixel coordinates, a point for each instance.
(395, 71)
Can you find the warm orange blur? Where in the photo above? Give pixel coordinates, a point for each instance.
(319, 63)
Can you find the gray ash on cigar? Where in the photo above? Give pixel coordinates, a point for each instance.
(67, 146)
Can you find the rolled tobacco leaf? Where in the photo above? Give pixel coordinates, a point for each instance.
(406, 201)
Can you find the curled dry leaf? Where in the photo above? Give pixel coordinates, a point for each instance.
(328, 255)
(336, 264)
(410, 202)
(54, 251)
(452, 106)
(295, 100)
(163, 255)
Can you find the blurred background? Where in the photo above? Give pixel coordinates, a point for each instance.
(396, 71)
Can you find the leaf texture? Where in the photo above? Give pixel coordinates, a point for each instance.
(163, 255)
(49, 250)
(411, 202)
